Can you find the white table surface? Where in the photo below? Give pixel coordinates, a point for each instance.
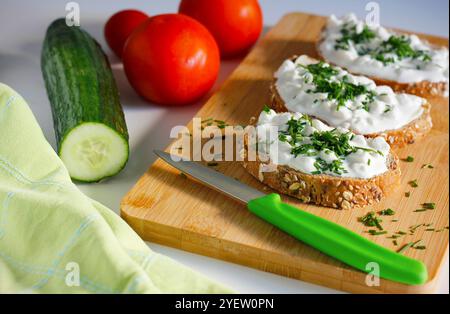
(22, 28)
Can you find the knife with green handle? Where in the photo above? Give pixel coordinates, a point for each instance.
(324, 235)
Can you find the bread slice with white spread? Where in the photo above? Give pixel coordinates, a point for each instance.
(340, 99)
(309, 160)
(404, 62)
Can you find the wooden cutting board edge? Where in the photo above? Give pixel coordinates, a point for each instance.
(339, 276)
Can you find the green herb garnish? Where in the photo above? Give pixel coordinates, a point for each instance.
(349, 34)
(429, 166)
(429, 205)
(339, 90)
(394, 49)
(387, 212)
(407, 246)
(375, 232)
(413, 183)
(371, 220)
(400, 47)
(409, 159)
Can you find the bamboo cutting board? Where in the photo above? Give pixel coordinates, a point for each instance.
(169, 209)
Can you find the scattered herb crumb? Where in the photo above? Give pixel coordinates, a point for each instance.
(376, 232)
(429, 205)
(407, 194)
(426, 207)
(407, 246)
(413, 183)
(395, 242)
(420, 247)
(387, 212)
(394, 220)
(371, 220)
(429, 166)
(409, 159)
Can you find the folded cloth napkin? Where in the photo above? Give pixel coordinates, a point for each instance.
(55, 239)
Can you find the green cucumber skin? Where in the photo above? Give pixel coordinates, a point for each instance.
(79, 82)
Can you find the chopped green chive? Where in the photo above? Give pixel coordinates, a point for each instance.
(426, 206)
(387, 212)
(371, 220)
(375, 232)
(413, 183)
(429, 205)
(429, 166)
(407, 246)
(266, 109)
(409, 159)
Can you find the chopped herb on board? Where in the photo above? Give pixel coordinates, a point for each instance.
(387, 212)
(429, 166)
(413, 183)
(407, 246)
(429, 205)
(376, 232)
(409, 159)
(371, 220)
(407, 194)
(426, 207)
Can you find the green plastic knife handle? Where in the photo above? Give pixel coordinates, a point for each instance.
(337, 241)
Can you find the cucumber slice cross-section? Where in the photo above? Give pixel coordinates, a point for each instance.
(93, 151)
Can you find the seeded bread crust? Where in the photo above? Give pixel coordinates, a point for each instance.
(424, 89)
(326, 190)
(397, 138)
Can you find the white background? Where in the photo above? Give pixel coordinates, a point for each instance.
(22, 28)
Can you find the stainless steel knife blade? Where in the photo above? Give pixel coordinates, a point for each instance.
(212, 178)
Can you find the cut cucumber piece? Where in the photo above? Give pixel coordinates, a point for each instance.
(92, 151)
(89, 123)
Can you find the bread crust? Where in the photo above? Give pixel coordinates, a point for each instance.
(397, 138)
(326, 190)
(424, 89)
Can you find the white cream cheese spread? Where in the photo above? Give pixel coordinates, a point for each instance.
(341, 99)
(375, 51)
(310, 146)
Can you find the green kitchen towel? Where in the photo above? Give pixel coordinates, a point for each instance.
(54, 239)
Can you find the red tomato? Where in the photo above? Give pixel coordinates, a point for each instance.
(120, 26)
(235, 24)
(171, 59)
